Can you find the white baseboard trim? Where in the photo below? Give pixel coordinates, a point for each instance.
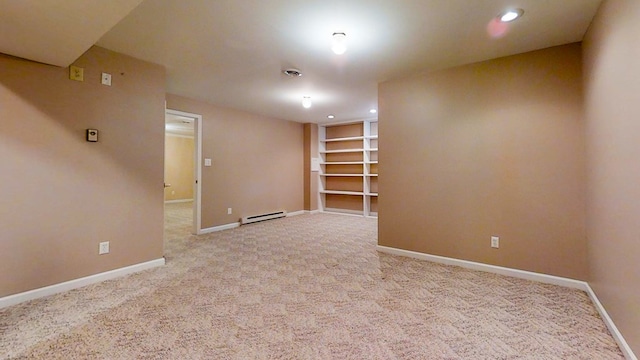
(296, 213)
(343, 212)
(527, 275)
(219, 228)
(77, 283)
(617, 336)
(521, 274)
(178, 201)
(312, 212)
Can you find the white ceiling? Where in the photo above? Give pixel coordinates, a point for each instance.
(231, 52)
(57, 32)
(179, 125)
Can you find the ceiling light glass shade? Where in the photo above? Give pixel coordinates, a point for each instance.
(373, 111)
(339, 45)
(330, 116)
(511, 15)
(306, 102)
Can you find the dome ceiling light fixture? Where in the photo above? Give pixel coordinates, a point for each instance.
(339, 43)
(292, 72)
(306, 102)
(510, 15)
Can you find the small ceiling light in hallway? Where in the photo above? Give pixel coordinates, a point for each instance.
(339, 43)
(306, 102)
(511, 15)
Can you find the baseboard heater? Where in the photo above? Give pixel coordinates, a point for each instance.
(263, 217)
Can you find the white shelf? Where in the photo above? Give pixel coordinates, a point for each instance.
(343, 163)
(341, 151)
(354, 175)
(354, 138)
(360, 139)
(339, 192)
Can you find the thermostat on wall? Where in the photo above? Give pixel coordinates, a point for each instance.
(92, 135)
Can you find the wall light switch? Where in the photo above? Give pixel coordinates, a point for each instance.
(106, 79)
(315, 164)
(104, 248)
(76, 73)
(495, 242)
(207, 162)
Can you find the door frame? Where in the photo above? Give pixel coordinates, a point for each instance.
(197, 169)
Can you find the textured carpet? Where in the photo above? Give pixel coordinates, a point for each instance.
(305, 287)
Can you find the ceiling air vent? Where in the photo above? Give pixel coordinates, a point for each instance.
(292, 72)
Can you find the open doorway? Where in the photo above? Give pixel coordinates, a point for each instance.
(183, 149)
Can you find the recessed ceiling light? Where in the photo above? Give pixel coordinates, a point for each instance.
(339, 45)
(306, 102)
(292, 72)
(511, 15)
(373, 111)
(330, 116)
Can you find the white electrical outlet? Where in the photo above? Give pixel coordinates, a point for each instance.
(104, 248)
(229, 211)
(495, 242)
(106, 79)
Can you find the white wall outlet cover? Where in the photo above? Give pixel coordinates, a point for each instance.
(229, 212)
(106, 79)
(207, 162)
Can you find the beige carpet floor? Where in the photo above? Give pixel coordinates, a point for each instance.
(304, 287)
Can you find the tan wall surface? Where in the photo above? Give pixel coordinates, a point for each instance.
(494, 148)
(178, 167)
(257, 162)
(63, 195)
(310, 177)
(612, 97)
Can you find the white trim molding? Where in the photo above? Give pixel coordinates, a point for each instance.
(521, 274)
(345, 212)
(527, 275)
(77, 283)
(296, 213)
(220, 228)
(617, 336)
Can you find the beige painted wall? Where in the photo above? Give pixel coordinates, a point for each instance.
(310, 177)
(257, 162)
(494, 148)
(63, 195)
(612, 96)
(178, 167)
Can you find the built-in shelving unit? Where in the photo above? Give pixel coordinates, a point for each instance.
(349, 167)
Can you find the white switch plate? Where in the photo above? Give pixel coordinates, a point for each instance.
(207, 162)
(315, 164)
(104, 248)
(495, 242)
(229, 211)
(106, 79)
